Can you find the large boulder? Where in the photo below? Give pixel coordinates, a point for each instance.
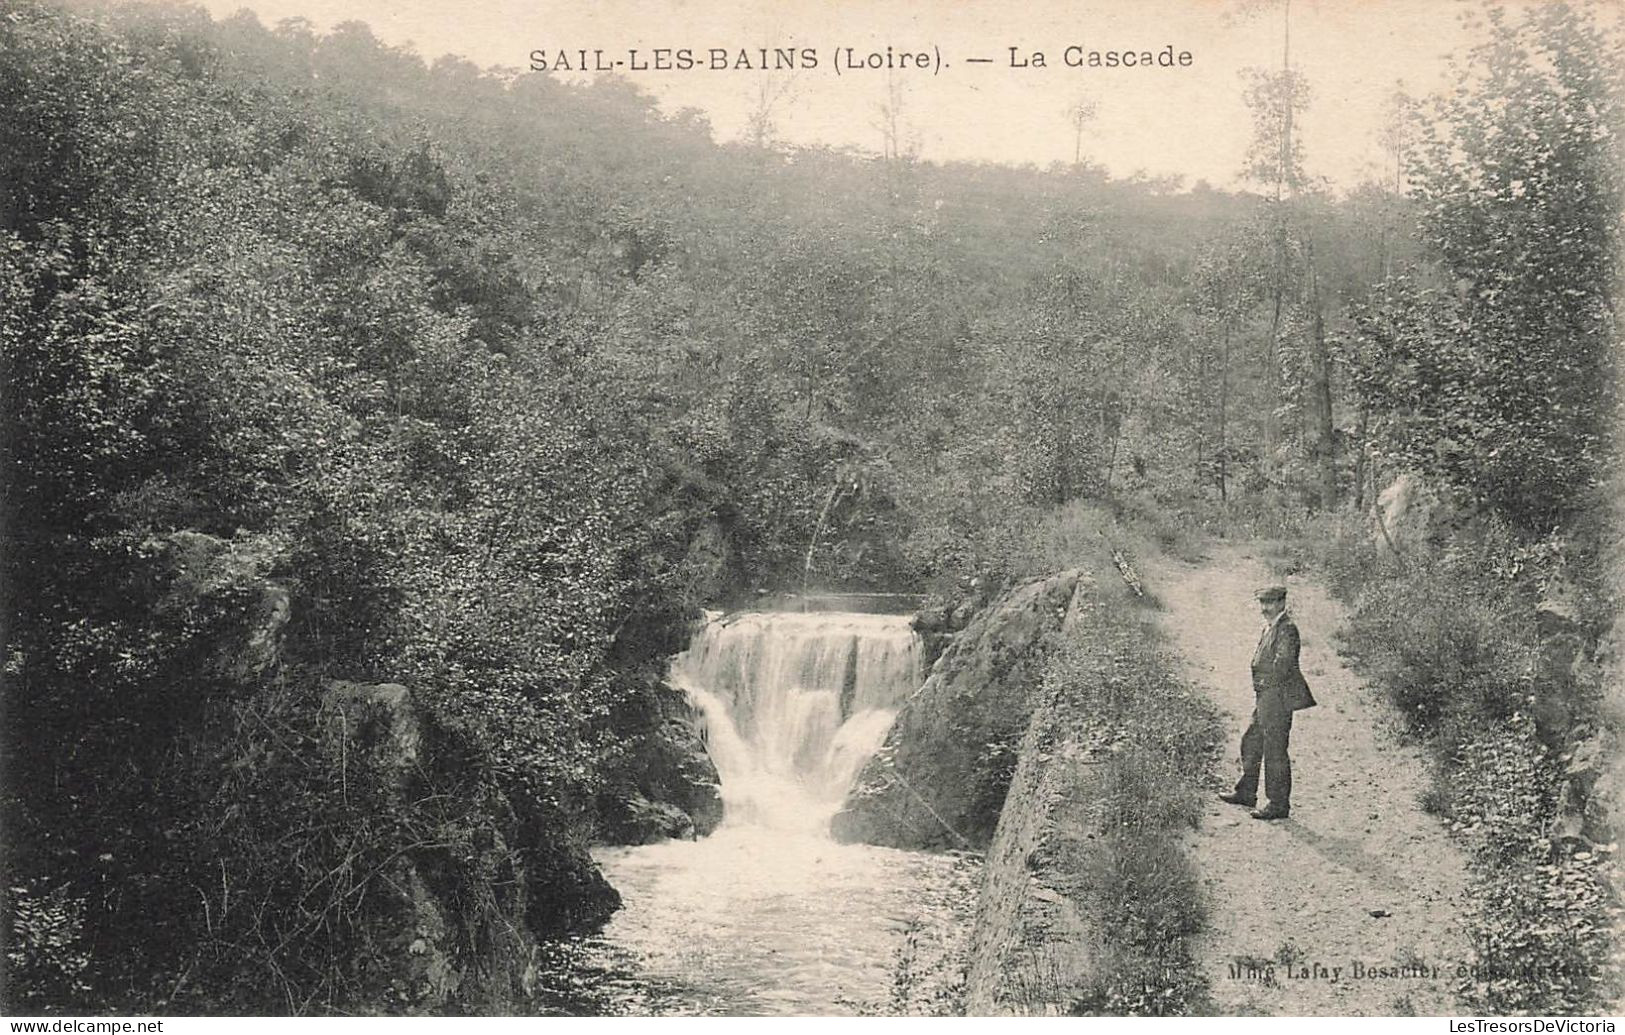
(638, 821)
(668, 785)
(1408, 514)
(940, 779)
(385, 741)
(380, 715)
(941, 618)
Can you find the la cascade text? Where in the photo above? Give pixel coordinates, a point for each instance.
(840, 59)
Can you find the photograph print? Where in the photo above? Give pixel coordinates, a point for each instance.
(885, 508)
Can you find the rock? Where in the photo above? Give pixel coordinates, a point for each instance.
(1569, 827)
(446, 925)
(1407, 514)
(1606, 800)
(667, 766)
(690, 781)
(930, 620)
(710, 567)
(1032, 950)
(931, 647)
(378, 730)
(565, 891)
(941, 776)
(640, 821)
(425, 929)
(1553, 718)
(1583, 812)
(1563, 656)
(430, 962)
(1077, 604)
(1560, 604)
(381, 717)
(1586, 760)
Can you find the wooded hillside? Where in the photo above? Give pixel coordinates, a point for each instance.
(496, 379)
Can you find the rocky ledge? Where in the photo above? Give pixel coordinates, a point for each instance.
(940, 779)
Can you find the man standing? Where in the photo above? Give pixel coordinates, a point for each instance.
(1279, 690)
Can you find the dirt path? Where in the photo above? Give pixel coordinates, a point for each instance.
(1303, 891)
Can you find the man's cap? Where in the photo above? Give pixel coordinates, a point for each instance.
(1266, 594)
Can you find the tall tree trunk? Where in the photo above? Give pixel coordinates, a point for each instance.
(1105, 432)
(1063, 453)
(1201, 415)
(1320, 393)
(1111, 456)
(1360, 464)
(818, 530)
(1224, 398)
(1272, 356)
(1284, 188)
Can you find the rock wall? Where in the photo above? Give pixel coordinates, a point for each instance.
(451, 932)
(1604, 762)
(447, 933)
(378, 723)
(1031, 945)
(668, 787)
(1410, 516)
(940, 779)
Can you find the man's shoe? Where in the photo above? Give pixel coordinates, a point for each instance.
(1236, 799)
(1272, 812)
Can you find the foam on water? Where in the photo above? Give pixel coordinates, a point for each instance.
(769, 915)
(794, 704)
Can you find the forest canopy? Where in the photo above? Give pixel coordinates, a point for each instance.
(503, 377)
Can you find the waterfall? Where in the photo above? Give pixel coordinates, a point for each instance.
(769, 915)
(793, 705)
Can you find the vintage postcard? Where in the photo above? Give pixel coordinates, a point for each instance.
(692, 508)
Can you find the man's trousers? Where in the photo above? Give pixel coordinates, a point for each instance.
(1264, 745)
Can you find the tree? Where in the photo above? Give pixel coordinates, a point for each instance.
(1227, 283)
(1079, 115)
(1275, 160)
(760, 125)
(1493, 368)
(897, 141)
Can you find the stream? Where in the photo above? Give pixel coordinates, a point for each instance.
(769, 915)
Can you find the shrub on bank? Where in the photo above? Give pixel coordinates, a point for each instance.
(1155, 739)
(1451, 657)
(1467, 644)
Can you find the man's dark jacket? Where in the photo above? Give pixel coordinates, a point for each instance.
(1275, 666)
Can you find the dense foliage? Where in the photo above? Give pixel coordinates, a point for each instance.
(1155, 737)
(324, 366)
(1489, 366)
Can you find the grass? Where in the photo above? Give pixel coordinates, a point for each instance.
(1110, 688)
(1455, 643)
(1113, 684)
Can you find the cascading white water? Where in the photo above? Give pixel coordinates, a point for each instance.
(794, 704)
(769, 915)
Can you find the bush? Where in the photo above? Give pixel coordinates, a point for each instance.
(1159, 736)
(1450, 654)
(45, 952)
(1456, 643)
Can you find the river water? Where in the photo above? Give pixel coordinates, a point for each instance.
(769, 915)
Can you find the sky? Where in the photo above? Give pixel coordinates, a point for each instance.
(1185, 121)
